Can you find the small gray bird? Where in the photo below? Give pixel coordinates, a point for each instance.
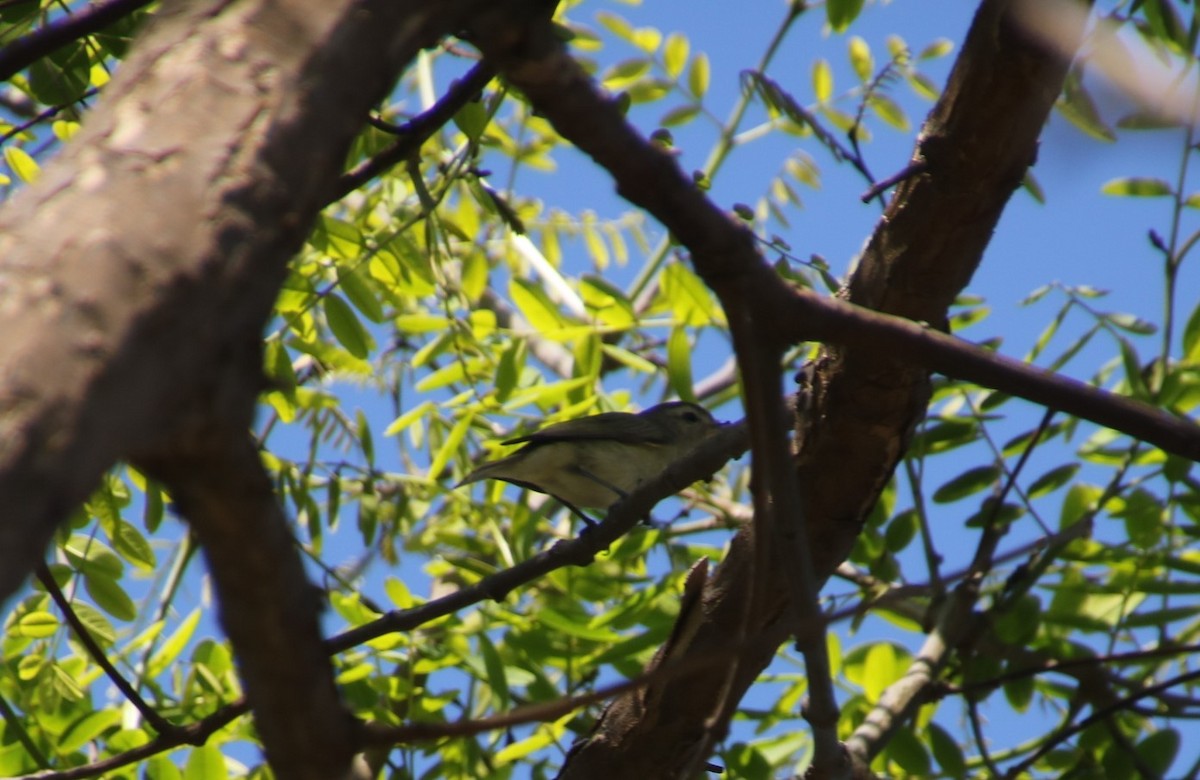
(594, 461)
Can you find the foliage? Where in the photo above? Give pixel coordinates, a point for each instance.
(464, 294)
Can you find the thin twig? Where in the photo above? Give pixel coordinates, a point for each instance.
(157, 721)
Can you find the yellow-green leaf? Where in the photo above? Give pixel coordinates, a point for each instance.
(346, 327)
(450, 446)
(675, 54)
(1137, 186)
(536, 306)
(679, 364)
(19, 161)
(822, 77)
(698, 75)
(860, 59)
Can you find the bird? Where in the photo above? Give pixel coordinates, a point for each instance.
(592, 462)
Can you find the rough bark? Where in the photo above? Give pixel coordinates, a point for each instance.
(860, 406)
(135, 280)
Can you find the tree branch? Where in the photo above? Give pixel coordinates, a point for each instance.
(863, 399)
(136, 333)
(23, 52)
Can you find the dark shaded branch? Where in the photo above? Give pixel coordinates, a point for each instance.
(863, 399)
(417, 131)
(837, 322)
(1100, 715)
(729, 442)
(158, 722)
(268, 607)
(193, 207)
(195, 734)
(23, 52)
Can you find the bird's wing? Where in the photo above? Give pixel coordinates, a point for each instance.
(625, 428)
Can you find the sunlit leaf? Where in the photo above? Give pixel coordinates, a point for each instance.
(822, 78)
(1137, 186)
(841, 13)
(698, 75)
(860, 58)
(675, 54)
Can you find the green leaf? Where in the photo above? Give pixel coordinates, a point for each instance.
(1137, 186)
(38, 624)
(901, 531)
(91, 555)
(889, 111)
(625, 73)
(162, 768)
(679, 364)
(1080, 502)
(680, 115)
(1019, 693)
(648, 39)
(409, 417)
(494, 667)
(698, 75)
(1159, 750)
(617, 25)
(675, 54)
(822, 78)
(1133, 371)
(61, 78)
(21, 164)
(87, 728)
(1018, 624)
(944, 434)
(542, 738)
(689, 299)
(840, 13)
(946, 751)
(535, 305)
(1144, 516)
(109, 595)
(1132, 324)
(1191, 337)
(1053, 479)
(906, 750)
(581, 630)
(451, 446)
(1077, 106)
(173, 647)
(472, 119)
(205, 763)
(97, 624)
(508, 369)
(939, 48)
(356, 287)
(965, 484)
(132, 546)
(1147, 120)
(346, 327)
(861, 59)
(881, 667)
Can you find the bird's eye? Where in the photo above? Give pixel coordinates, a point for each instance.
(691, 417)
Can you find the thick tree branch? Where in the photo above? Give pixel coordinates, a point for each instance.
(863, 401)
(136, 332)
